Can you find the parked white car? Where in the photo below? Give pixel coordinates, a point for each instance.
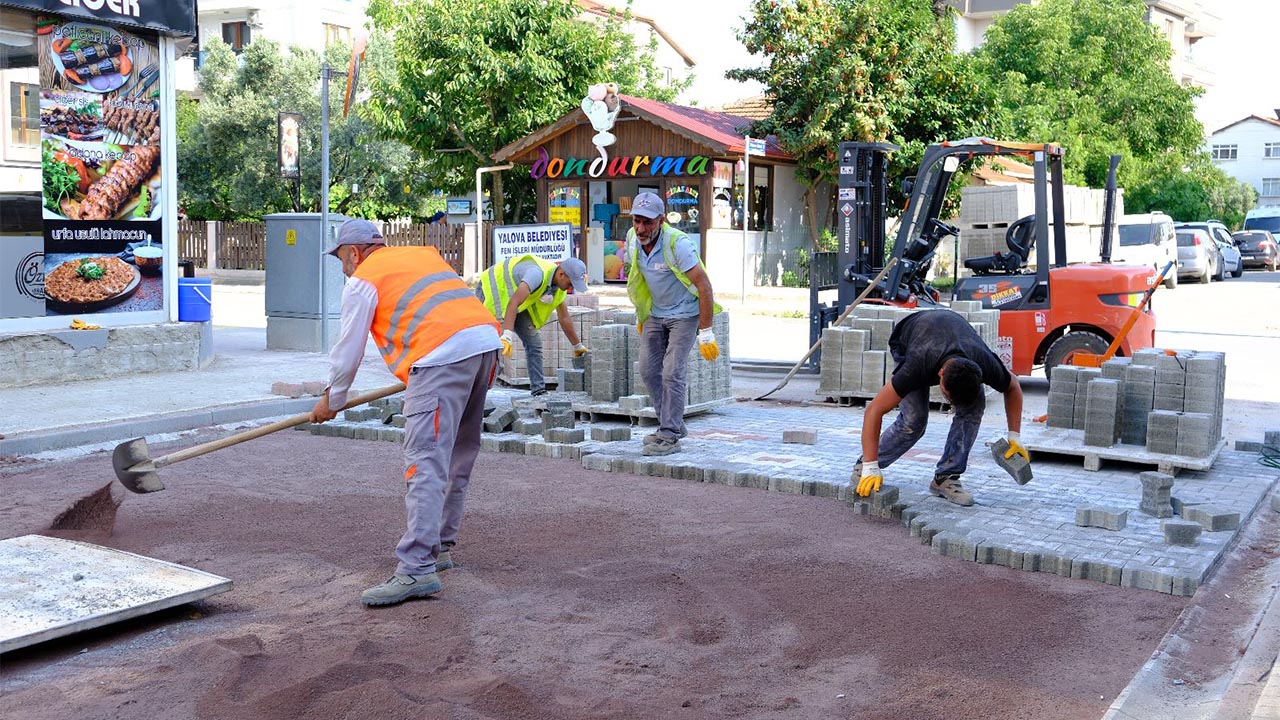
(1147, 239)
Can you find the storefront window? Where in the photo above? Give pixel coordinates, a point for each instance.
(761, 197)
(682, 208)
(566, 204)
(24, 113)
(722, 202)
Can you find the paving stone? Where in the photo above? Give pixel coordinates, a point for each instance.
(1275, 502)
(1107, 518)
(1096, 569)
(1178, 532)
(315, 388)
(564, 435)
(289, 390)
(1017, 466)
(1195, 434)
(1144, 577)
(1156, 489)
(802, 437)
(1211, 518)
(528, 426)
(602, 433)
(501, 420)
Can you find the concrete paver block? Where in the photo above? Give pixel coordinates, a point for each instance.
(1017, 467)
(501, 420)
(802, 437)
(601, 433)
(1107, 518)
(1180, 532)
(528, 426)
(290, 390)
(1156, 488)
(314, 387)
(565, 435)
(1212, 519)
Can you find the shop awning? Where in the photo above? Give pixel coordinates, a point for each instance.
(169, 17)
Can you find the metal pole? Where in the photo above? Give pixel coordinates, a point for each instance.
(746, 209)
(324, 200)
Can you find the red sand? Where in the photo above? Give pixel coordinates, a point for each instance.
(580, 595)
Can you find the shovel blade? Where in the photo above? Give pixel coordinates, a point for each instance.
(134, 469)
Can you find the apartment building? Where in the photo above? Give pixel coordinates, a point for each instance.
(1249, 150)
(312, 24)
(670, 58)
(1183, 23)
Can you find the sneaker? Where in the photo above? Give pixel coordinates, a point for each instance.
(399, 588)
(444, 560)
(662, 446)
(948, 488)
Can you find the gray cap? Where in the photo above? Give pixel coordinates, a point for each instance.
(577, 272)
(354, 232)
(647, 205)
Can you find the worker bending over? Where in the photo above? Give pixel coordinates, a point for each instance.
(936, 347)
(443, 345)
(521, 292)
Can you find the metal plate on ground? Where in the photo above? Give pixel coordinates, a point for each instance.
(51, 587)
(1065, 441)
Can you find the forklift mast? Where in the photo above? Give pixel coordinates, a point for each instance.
(861, 199)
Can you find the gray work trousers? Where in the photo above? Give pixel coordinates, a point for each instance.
(444, 413)
(664, 366)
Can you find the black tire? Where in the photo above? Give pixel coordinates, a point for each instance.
(1222, 271)
(1239, 272)
(1068, 345)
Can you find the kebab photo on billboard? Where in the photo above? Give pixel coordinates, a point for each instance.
(74, 116)
(100, 181)
(90, 57)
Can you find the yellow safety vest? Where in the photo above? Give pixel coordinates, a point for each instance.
(638, 289)
(499, 286)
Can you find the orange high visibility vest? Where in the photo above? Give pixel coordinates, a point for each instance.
(421, 303)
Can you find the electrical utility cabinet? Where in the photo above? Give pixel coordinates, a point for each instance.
(293, 296)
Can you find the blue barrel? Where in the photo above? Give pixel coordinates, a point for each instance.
(195, 299)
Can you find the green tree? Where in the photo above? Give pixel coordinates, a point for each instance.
(1198, 190)
(227, 144)
(467, 78)
(860, 70)
(1093, 76)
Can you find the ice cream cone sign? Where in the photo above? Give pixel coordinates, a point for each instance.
(601, 106)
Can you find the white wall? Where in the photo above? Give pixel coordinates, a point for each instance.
(1250, 166)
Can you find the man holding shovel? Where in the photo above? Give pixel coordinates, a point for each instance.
(443, 345)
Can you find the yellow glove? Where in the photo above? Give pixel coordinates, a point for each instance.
(1016, 448)
(579, 350)
(508, 343)
(871, 478)
(640, 328)
(707, 345)
(78, 324)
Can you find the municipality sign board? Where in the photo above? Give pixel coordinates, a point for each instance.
(755, 147)
(549, 242)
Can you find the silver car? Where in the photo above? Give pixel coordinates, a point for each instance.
(1198, 255)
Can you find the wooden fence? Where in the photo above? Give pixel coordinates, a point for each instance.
(243, 245)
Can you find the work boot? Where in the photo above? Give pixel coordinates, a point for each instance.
(948, 487)
(652, 438)
(662, 446)
(444, 560)
(399, 588)
(538, 393)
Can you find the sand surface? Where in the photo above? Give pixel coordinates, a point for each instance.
(579, 595)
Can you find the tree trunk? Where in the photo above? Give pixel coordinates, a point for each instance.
(811, 208)
(498, 202)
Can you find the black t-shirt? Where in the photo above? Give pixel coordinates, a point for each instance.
(928, 338)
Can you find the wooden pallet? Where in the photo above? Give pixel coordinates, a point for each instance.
(1045, 440)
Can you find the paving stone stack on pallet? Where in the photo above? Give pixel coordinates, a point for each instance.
(1172, 404)
(987, 212)
(557, 353)
(613, 365)
(855, 359)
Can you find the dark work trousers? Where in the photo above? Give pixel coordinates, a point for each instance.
(444, 414)
(664, 367)
(913, 418)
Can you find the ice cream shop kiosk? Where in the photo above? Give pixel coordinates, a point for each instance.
(595, 159)
(88, 189)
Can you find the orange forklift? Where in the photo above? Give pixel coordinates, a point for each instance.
(1051, 314)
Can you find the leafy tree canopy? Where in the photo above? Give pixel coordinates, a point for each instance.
(861, 70)
(227, 144)
(467, 78)
(1094, 76)
(1193, 192)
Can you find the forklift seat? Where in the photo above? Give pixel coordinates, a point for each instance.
(1020, 237)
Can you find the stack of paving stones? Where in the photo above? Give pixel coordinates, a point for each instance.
(559, 421)
(855, 360)
(1030, 528)
(1171, 403)
(557, 352)
(614, 363)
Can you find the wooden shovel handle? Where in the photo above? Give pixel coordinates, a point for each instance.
(258, 432)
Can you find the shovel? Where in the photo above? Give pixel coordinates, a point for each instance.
(137, 471)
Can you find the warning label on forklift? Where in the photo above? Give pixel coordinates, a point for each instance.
(1004, 350)
(1006, 295)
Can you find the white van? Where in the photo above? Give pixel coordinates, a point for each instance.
(1263, 218)
(1147, 239)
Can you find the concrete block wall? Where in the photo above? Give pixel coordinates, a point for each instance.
(855, 358)
(63, 355)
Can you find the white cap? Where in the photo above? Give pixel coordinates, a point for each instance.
(647, 205)
(354, 232)
(577, 272)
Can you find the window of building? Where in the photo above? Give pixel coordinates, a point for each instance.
(24, 114)
(1271, 186)
(1224, 152)
(1271, 150)
(336, 34)
(761, 207)
(237, 35)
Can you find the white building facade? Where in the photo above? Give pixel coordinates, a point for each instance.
(311, 24)
(1249, 150)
